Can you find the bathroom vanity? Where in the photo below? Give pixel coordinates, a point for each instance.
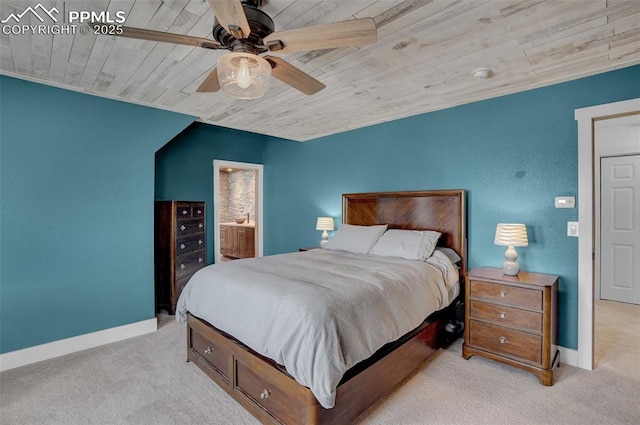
(238, 240)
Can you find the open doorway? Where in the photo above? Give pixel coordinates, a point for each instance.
(588, 247)
(617, 244)
(237, 202)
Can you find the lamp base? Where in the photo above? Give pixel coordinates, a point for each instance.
(510, 268)
(325, 239)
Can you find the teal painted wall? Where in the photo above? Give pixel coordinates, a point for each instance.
(513, 154)
(184, 167)
(76, 202)
(77, 186)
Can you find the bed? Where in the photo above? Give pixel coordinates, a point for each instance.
(261, 383)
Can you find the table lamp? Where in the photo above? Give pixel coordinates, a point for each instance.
(511, 235)
(324, 224)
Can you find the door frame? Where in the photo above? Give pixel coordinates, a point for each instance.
(259, 169)
(586, 118)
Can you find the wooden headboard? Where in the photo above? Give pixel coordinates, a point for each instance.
(440, 210)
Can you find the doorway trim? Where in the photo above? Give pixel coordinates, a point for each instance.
(586, 118)
(259, 169)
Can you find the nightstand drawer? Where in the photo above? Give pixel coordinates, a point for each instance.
(507, 295)
(505, 341)
(506, 316)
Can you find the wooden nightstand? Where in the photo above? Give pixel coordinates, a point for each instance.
(513, 320)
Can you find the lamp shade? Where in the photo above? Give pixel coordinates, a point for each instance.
(511, 234)
(243, 75)
(324, 223)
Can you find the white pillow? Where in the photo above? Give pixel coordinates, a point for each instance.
(356, 239)
(409, 244)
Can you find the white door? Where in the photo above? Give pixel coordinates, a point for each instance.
(620, 229)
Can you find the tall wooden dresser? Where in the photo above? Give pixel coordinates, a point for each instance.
(180, 248)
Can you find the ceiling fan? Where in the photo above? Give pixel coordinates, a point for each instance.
(248, 32)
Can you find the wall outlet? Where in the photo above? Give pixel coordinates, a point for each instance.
(572, 228)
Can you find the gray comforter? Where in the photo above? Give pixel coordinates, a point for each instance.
(318, 313)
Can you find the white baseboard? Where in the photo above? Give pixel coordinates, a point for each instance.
(74, 344)
(568, 356)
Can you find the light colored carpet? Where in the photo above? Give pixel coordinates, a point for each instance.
(617, 336)
(146, 380)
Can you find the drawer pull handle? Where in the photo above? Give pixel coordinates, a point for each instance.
(503, 294)
(503, 339)
(182, 227)
(182, 266)
(199, 211)
(200, 242)
(208, 350)
(200, 260)
(200, 225)
(184, 212)
(503, 315)
(265, 394)
(182, 246)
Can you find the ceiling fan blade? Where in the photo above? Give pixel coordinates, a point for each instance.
(165, 37)
(231, 16)
(210, 84)
(296, 78)
(358, 32)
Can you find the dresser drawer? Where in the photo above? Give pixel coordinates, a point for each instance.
(197, 211)
(187, 264)
(183, 211)
(505, 341)
(188, 227)
(268, 394)
(189, 244)
(180, 284)
(506, 295)
(506, 316)
(215, 356)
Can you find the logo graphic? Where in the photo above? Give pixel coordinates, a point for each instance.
(34, 12)
(71, 20)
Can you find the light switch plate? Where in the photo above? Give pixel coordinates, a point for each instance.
(565, 202)
(572, 228)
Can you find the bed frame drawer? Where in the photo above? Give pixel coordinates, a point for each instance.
(215, 356)
(268, 392)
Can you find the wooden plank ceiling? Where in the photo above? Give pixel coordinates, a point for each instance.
(422, 61)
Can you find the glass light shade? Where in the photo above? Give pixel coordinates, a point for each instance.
(243, 75)
(324, 223)
(511, 234)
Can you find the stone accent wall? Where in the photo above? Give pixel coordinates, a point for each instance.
(237, 194)
(224, 196)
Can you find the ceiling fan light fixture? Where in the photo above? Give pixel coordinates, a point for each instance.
(243, 75)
